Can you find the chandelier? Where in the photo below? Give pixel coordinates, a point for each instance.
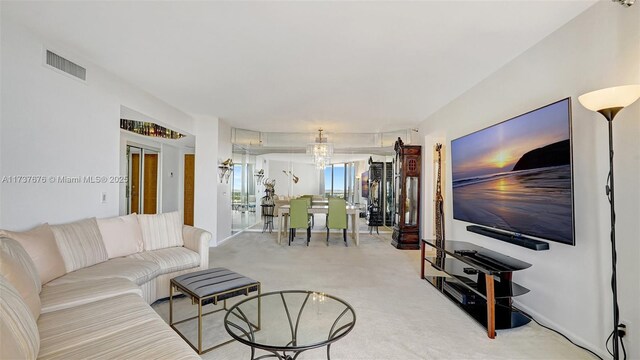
(321, 151)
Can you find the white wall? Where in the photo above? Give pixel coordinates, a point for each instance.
(308, 179)
(170, 175)
(569, 285)
(224, 189)
(1, 113)
(261, 163)
(55, 125)
(282, 187)
(308, 183)
(206, 176)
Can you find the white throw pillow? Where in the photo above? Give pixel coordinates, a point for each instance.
(161, 231)
(40, 244)
(121, 235)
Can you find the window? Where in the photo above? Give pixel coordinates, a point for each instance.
(339, 180)
(328, 182)
(236, 196)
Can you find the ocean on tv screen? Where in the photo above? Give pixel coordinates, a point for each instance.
(517, 176)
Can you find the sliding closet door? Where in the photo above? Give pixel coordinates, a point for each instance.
(189, 185)
(142, 188)
(134, 176)
(150, 183)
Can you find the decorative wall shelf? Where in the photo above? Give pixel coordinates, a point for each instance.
(149, 129)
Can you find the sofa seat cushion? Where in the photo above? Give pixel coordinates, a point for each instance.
(136, 270)
(63, 296)
(122, 327)
(171, 259)
(19, 336)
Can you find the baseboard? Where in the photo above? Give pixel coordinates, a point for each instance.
(570, 334)
(229, 237)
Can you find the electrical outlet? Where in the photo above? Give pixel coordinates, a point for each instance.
(622, 330)
(103, 197)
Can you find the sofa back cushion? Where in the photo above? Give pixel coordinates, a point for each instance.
(80, 244)
(41, 246)
(19, 337)
(121, 235)
(18, 269)
(161, 231)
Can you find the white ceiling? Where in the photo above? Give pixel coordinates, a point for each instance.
(297, 66)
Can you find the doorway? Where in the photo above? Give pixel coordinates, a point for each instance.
(243, 193)
(142, 189)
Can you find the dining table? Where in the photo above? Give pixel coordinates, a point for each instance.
(319, 208)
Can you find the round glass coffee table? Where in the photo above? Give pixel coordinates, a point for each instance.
(292, 322)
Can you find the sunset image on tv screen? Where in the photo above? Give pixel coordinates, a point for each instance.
(516, 175)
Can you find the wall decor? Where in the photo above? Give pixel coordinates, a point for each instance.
(149, 129)
(365, 184)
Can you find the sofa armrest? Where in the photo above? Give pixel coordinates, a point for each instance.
(197, 240)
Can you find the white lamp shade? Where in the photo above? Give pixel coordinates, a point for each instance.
(614, 97)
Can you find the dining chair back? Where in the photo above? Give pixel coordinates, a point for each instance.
(309, 199)
(299, 218)
(337, 217)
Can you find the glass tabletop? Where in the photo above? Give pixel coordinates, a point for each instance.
(485, 260)
(290, 320)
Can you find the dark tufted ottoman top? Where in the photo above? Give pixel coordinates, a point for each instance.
(213, 285)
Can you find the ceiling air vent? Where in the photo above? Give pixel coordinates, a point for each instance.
(65, 65)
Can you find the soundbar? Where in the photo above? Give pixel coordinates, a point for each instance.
(519, 240)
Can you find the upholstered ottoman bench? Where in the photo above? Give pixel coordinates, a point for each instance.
(209, 287)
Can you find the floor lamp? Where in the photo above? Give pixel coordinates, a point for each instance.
(609, 102)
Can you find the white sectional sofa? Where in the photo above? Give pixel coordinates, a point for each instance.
(82, 290)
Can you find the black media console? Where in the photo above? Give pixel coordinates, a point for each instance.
(478, 280)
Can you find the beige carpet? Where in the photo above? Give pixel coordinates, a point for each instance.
(399, 316)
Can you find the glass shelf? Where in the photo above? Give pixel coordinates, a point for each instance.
(455, 269)
(506, 317)
(485, 260)
(477, 280)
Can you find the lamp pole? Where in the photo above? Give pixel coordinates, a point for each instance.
(609, 114)
(609, 102)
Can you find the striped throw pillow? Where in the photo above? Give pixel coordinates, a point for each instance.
(161, 231)
(80, 244)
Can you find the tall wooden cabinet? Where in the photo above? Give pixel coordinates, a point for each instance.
(407, 183)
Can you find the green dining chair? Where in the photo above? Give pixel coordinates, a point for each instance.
(310, 200)
(337, 217)
(299, 218)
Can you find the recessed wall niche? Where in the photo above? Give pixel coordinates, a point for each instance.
(149, 129)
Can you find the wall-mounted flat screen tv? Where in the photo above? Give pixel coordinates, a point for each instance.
(517, 175)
